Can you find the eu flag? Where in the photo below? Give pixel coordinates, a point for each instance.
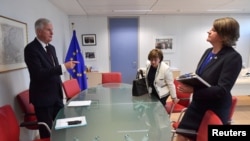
(74, 54)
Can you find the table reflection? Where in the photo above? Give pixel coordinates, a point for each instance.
(115, 115)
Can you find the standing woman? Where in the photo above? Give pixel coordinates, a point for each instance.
(220, 66)
(160, 82)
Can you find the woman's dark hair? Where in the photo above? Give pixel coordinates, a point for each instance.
(155, 53)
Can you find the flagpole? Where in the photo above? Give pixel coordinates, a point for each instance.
(72, 27)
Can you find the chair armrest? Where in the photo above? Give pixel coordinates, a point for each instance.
(181, 114)
(26, 124)
(176, 123)
(185, 131)
(173, 106)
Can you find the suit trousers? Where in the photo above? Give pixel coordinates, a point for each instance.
(47, 115)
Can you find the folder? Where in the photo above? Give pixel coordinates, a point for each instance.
(194, 80)
(75, 122)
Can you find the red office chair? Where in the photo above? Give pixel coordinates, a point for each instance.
(9, 128)
(209, 118)
(184, 100)
(175, 124)
(29, 119)
(27, 108)
(71, 88)
(111, 77)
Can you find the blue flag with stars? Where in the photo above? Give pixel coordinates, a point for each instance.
(74, 54)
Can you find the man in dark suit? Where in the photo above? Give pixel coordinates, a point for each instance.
(45, 83)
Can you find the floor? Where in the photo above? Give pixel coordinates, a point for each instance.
(242, 111)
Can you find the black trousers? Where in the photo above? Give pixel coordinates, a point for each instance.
(162, 100)
(47, 115)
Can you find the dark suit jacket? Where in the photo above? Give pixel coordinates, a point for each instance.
(221, 72)
(45, 82)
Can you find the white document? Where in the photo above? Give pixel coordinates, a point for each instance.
(79, 103)
(64, 123)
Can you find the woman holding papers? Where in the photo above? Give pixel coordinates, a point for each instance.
(159, 77)
(220, 66)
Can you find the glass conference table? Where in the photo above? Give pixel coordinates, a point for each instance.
(115, 115)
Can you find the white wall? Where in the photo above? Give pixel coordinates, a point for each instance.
(189, 32)
(28, 11)
(98, 26)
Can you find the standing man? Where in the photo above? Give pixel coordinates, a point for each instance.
(45, 83)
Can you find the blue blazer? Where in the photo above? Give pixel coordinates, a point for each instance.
(45, 82)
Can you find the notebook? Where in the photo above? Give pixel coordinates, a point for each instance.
(193, 79)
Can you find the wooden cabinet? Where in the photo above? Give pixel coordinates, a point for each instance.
(176, 73)
(94, 78)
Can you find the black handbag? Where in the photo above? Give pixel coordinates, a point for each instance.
(139, 85)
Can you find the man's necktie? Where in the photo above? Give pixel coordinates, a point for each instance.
(50, 54)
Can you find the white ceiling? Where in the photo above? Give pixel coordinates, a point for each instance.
(150, 7)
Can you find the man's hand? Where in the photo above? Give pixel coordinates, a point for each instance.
(70, 64)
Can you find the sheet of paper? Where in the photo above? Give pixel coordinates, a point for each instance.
(79, 103)
(63, 123)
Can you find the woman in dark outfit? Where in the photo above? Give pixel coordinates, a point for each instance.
(220, 66)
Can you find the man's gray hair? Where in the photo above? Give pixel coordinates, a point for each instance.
(41, 22)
